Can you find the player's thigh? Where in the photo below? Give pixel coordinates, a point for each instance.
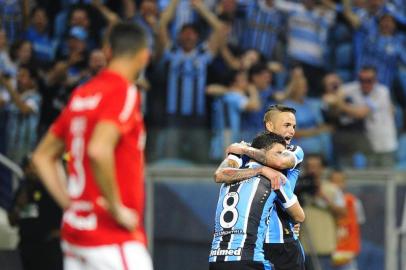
(137, 256)
(286, 256)
(106, 257)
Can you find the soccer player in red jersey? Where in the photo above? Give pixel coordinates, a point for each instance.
(102, 130)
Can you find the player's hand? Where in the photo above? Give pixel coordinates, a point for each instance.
(296, 229)
(126, 217)
(123, 215)
(236, 148)
(197, 4)
(276, 178)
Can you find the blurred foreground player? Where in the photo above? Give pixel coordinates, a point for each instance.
(102, 130)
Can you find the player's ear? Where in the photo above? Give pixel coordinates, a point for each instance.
(143, 56)
(108, 52)
(269, 126)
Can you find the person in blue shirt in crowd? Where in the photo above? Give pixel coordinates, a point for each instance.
(260, 77)
(44, 45)
(242, 213)
(183, 66)
(229, 104)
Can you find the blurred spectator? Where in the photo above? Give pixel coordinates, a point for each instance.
(147, 16)
(228, 10)
(97, 61)
(312, 134)
(79, 16)
(185, 13)
(322, 206)
(6, 65)
(38, 33)
(366, 120)
(307, 32)
(22, 113)
(236, 98)
(76, 54)
(331, 85)
(366, 23)
(13, 17)
(262, 25)
(348, 227)
(185, 65)
(383, 50)
(252, 121)
(38, 218)
(21, 54)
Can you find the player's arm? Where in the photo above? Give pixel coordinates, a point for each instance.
(356, 111)
(296, 212)
(48, 163)
(349, 14)
(16, 97)
(229, 172)
(282, 161)
(290, 202)
(100, 150)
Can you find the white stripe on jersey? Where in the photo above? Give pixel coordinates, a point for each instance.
(281, 240)
(129, 103)
(232, 235)
(219, 203)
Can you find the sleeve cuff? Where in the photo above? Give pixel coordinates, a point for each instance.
(291, 202)
(236, 159)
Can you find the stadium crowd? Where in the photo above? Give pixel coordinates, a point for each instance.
(216, 67)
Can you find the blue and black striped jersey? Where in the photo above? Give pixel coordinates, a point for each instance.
(241, 218)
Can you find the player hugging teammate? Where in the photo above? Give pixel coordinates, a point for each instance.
(257, 211)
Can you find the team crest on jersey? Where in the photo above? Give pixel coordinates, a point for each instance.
(85, 103)
(291, 147)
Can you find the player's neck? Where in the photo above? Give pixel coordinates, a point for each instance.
(125, 68)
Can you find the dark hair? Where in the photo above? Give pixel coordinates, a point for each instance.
(317, 156)
(266, 140)
(276, 108)
(192, 26)
(33, 72)
(369, 67)
(231, 76)
(335, 170)
(126, 39)
(38, 8)
(13, 52)
(257, 69)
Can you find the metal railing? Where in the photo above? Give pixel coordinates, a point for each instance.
(17, 172)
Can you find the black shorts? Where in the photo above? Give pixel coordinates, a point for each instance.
(240, 265)
(285, 256)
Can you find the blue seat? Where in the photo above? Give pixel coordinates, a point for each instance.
(172, 162)
(344, 55)
(401, 152)
(341, 33)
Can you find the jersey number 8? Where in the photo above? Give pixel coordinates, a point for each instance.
(229, 215)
